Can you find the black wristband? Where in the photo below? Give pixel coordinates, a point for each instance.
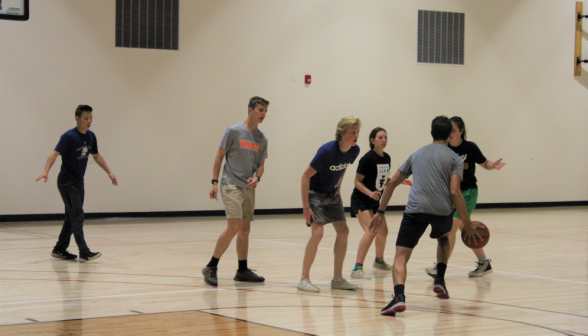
(381, 212)
(213, 181)
(258, 178)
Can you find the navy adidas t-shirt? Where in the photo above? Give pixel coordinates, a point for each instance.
(330, 164)
(74, 148)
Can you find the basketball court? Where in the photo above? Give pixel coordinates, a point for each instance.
(149, 280)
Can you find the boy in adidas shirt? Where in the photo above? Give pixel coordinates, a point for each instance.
(322, 203)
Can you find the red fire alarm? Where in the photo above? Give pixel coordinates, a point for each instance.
(307, 79)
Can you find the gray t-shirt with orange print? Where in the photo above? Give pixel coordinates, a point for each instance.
(245, 149)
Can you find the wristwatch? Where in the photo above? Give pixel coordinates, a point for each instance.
(213, 181)
(258, 178)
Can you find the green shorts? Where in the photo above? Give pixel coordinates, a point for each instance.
(471, 198)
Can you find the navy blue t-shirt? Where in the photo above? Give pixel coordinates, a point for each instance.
(330, 164)
(74, 148)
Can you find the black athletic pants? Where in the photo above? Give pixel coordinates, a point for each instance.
(73, 198)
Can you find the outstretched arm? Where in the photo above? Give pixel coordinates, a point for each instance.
(100, 161)
(394, 182)
(220, 154)
(490, 165)
(50, 161)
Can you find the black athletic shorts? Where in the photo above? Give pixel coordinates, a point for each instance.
(413, 226)
(358, 205)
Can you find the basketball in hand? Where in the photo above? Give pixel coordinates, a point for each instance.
(482, 231)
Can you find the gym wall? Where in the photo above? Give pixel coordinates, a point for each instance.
(159, 115)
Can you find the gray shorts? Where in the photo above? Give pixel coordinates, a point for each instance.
(327, 208)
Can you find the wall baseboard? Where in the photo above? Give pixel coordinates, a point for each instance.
(288, 211)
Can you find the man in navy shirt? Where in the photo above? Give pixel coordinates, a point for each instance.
(74, 147)
(322, 202)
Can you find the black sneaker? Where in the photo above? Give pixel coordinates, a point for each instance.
(248, 276)
(89, 256)
(63, 254)
(210, 276)
(441, 290)
(397, 305)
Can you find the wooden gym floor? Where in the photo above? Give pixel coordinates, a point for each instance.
(149, 281)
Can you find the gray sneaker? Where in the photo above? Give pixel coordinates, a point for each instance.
(432, 270)
(481, 269)
(307, 286)
(210, 276)
(359, 274)
(383, 266)
(341, 283)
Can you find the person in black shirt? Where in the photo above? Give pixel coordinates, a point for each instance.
(370, 180)
(75, 146)
(471, 155)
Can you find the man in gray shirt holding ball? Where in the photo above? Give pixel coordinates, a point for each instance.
(435, 191)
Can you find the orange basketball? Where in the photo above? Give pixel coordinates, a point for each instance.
(482, 231)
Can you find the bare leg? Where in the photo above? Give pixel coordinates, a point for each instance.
(243, 239)
(340, 248)
(400, 260)
(364, 218)
(479, 252)
(317, 231)
(457, 225)
(226, 237)
(382, 236)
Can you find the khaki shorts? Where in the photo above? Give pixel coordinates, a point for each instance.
(239, 202)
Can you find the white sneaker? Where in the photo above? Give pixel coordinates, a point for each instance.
(432, 271)
(307, 286)
(481, 269)
(359, 274)
(341, 283)
(383, 266)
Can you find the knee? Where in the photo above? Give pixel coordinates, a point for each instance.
(383, 231)
(371, 236)
(244, 229)
(343, 232)
(317, 234)
(232, 230)
(443, 241)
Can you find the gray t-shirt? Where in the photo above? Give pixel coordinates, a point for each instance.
(245, 149)
(432, 167)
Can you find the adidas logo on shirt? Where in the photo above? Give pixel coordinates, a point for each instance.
(342, 166)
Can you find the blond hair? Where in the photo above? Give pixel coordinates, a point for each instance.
(344, 125)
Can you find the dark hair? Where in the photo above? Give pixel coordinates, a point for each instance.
(81, 109)
(461, 125)
(441, 128)
(373, 134)
(254, 101)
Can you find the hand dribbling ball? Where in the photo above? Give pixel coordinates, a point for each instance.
(482, 230)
